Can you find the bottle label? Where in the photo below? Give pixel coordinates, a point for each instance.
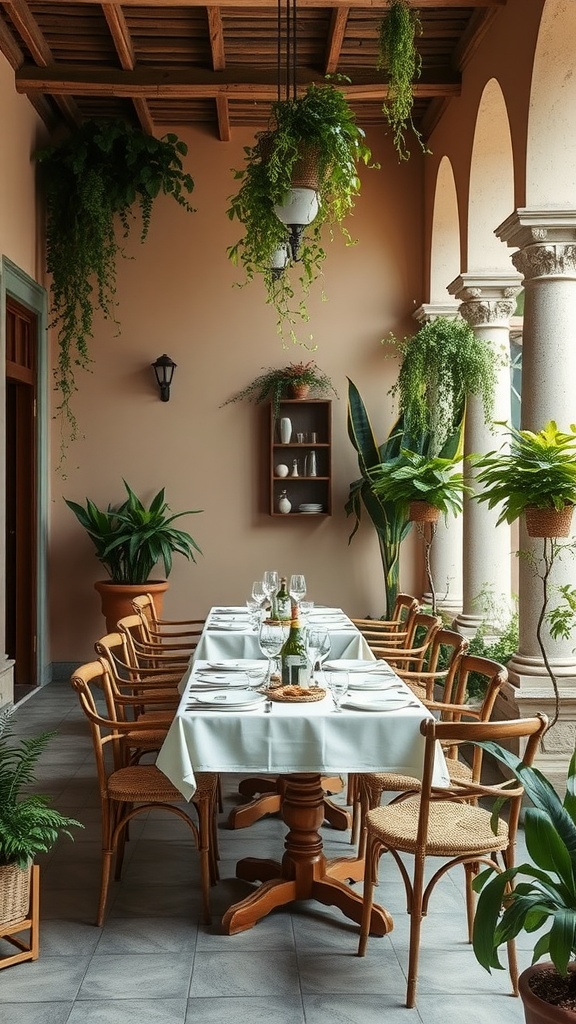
(294, 670)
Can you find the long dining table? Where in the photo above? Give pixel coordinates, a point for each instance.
(220, 726)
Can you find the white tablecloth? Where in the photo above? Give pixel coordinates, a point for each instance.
(219, 641)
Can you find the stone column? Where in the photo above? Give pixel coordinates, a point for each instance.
(446, 551)
(487, 304)
(546, 256)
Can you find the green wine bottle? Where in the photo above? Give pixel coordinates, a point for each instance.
(293, 654)
(283, 602)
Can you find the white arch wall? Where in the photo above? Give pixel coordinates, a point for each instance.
(551, 142)
(445, 241)
(491, 182)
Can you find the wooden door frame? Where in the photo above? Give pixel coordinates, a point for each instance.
(27, 292)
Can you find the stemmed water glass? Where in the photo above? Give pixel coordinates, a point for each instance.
(258, 592)
(271, 639)
(297, 588)
(271, 584)
(338, 684)
(317, 644)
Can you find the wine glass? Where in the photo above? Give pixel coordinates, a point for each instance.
(271, 584)
(258, 592)
(338, 685)
(271, 639)
(317, 640)
(297, 587)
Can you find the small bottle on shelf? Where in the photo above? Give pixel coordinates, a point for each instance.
(293, 655)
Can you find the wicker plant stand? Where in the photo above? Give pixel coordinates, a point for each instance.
(10, 931)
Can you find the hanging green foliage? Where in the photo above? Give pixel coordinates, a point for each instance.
(399, 57)
(442, 364)
(92, 178)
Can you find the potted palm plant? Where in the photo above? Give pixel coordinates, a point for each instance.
(28, 824)
(312, 143)
(130, 540)
(535, 475)
(297, 380)
(537, 897)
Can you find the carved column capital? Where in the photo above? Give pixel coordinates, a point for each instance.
(546, 259)
(432, 310)
(486, 299)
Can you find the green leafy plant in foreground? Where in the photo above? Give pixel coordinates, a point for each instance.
(507, 904)
(28, 825)
(131, 539)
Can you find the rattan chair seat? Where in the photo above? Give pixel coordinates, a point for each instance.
(452, 827)
(458, 771)
(144, 782)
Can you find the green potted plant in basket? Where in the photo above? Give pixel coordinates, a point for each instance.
(130, 540)
(297, 380)
(312, 142)
(537, 897)
(28, 826)
(92, 181)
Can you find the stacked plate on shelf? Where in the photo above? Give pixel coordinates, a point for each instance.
(310, 508)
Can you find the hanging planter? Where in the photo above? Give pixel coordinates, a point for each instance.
(317, 130)
(423, 512)
(549, 522)
(91, 181)
(399, 57)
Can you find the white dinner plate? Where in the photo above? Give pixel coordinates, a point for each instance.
(390, 702)
(235, 665)
(357, 665)
(227, 700)
(225, 626)
(374, 682)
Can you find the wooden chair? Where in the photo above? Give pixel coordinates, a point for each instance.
(150, 654)
(398, 629)
(454, 709)
(410, 652)
(129, 790)
(164, 631)
(447, 823)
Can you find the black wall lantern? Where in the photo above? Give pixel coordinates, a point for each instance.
(164, 369)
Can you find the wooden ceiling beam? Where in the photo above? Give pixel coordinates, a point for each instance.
(67, 79)
(336, 32)
(216, 32)
(378, 5)
(123, 44)
(223, 115)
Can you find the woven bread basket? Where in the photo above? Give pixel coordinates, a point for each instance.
(14, 894)
(288, 694)
(549, 522)
(423, 512)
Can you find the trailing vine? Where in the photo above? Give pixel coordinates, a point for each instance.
(442, 364)
(399, 57)
(97, 174)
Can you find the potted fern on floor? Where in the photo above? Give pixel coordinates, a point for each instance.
(28, 827)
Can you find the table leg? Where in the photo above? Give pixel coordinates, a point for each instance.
(266, 798)
(304, 873)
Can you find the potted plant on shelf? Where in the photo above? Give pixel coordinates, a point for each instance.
(312, 143)
(130, 540)
(297, 380)
(94, 177)
(537, 897)
(28, 826)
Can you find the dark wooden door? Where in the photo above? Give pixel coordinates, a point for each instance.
(21, 474)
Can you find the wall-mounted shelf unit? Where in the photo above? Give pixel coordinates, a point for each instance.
(310, 440)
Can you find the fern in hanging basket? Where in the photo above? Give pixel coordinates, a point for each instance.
(91, 180)
(320, 122)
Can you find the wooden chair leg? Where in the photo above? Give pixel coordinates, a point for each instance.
(368, 894)
(415, 909)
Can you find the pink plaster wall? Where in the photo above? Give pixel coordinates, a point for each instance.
(177, 295)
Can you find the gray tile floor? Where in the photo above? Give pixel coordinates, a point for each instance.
(153, 963)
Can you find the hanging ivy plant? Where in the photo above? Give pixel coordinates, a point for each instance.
(442, 364)
(98, 174)
(321, 124)
(399, 57)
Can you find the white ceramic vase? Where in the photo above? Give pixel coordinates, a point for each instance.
(284, 504)
(285, 430)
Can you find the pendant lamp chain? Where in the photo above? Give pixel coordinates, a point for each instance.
(287, 50)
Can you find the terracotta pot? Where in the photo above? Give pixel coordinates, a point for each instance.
(548, 522)
(116, 598)
(299, 390)
(14, 894)
(536, 1010)
(423, 512)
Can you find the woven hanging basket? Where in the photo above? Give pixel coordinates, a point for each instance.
(305, 173)
(423, 512)
(14, 894)
(549, 522)
(299, 390)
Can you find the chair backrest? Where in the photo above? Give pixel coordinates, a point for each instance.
(147, 642)
(389, 633)
(454, 707)
(144, 606)
(441, 663)
(411, 652)
(159, 630)
(105, 729)
(152, 654)
(530, 730)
